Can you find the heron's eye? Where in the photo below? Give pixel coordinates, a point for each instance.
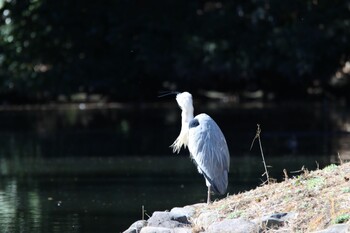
(194, 123)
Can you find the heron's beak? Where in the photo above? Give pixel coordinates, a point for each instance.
(166, 93)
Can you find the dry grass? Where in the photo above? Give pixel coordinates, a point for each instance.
(319, 199)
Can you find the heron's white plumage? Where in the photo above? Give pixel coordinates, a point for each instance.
(184, 101)
(206, 144)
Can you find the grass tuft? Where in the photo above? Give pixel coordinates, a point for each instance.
(315, 183)
(343, 218)
(235, 214)
(330, 168)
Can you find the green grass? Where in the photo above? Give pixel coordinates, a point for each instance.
(330, 168)
(342, 218)
(315, 183)
(346, 190)
(235, 214)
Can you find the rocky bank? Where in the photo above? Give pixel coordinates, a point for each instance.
(317, 201)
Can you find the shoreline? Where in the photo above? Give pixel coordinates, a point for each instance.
(314, 201)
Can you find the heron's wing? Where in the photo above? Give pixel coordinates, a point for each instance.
(208, 148)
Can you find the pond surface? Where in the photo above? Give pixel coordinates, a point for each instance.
(91, 168)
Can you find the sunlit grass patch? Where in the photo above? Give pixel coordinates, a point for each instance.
(315, 183)
(330, 168)
(346, 190)
(343, 218)
(235, 214)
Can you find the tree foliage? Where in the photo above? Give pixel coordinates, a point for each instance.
(132, 49)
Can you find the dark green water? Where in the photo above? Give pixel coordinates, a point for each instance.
(72, 169)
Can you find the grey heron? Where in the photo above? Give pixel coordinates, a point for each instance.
(206, 143)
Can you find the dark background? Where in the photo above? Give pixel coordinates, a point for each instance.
(130, 50)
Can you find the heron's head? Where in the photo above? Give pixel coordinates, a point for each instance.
(184, 100)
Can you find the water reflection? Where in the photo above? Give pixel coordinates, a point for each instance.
(94, 195)
(90, 170)
(8, 205)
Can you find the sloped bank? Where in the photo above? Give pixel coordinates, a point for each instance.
(317, 201)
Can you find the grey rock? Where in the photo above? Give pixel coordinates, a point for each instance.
(276, 220)
(165, 230)
(180, 218)
(136, 226)
(150, 229)
(205, 219)
(182, 230)
(337, 228)
(187, 211)
(168, 220)
(238, 225)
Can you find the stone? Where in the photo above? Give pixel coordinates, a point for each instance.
(168, 220)
(238, 225)
(149, 229)
(187, 211)
(205, 219)
(182, 230)
(337, 228)
(276, 220)
(180, 218)
(136, 226)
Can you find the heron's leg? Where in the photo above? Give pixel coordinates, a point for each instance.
(208, 199)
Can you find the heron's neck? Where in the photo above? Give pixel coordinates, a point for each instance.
(182, 139)
(186, 117)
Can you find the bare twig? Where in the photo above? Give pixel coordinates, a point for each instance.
(302, 169)
(285, 174)
(257, 136)
(340, 160)
(258, 131)
(144, 212)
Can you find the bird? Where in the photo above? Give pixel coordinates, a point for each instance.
(206, 144)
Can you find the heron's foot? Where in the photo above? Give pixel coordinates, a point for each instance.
(208, 201)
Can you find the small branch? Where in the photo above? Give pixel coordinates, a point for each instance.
(257, 136)
(302, 169)
(144, 212)
(285, 174)
(340, 160)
